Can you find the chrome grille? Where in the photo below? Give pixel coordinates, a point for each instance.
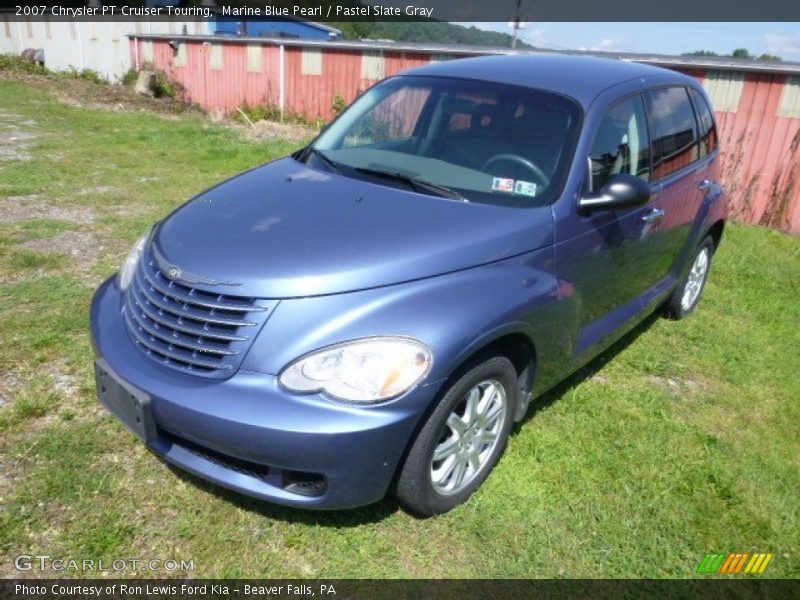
(187, 328)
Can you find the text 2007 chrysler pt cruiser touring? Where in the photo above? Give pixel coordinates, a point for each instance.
(373, 313)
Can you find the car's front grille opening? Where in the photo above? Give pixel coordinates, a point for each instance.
(294, 482)
(188, 328)
(245, 467)
(304, 484)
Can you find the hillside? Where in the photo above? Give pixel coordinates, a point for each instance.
(438, 32)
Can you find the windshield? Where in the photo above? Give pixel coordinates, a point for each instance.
(473, 140)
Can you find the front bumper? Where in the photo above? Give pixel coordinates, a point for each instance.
(249, 435)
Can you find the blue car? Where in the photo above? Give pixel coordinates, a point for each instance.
(372, 314)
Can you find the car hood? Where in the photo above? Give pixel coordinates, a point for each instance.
(285, 230)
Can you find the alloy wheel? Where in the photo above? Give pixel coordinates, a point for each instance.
(470, 435)
(695, 279)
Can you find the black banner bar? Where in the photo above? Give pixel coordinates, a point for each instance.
(412, 10)
(362, 589)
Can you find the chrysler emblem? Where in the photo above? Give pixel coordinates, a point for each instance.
(174, 273)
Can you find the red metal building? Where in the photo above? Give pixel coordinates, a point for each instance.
(757, 104)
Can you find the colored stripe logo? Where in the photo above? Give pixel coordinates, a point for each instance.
(734, 562)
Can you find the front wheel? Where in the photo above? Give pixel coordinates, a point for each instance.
(462, 440)
(686, 296)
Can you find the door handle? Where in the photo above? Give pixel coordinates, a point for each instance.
(704, 185)
(654, 215)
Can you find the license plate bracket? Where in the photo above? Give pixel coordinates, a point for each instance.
(129, 404)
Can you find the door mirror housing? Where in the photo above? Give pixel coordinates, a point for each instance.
(620, 191)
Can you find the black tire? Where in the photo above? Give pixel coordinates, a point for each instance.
(674, 307)
(415, 488)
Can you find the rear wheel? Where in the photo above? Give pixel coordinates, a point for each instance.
(685, 297)
(462, 440)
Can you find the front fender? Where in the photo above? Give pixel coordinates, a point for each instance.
(454, 314)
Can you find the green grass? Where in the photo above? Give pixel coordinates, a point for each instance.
(683, 439)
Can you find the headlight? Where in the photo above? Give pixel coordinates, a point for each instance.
(368, 370)
(128, 268)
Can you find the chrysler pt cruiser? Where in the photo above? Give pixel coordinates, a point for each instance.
(372, 314)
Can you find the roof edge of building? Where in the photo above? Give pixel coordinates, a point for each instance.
(661, 60)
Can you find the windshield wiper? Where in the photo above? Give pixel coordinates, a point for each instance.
(309, 150)
(416, 184)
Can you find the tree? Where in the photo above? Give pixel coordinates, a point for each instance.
(701, 53)
(741, 53)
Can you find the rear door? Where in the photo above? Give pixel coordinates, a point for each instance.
(679, 173)
(707, 171)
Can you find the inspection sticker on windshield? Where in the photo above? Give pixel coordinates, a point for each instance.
(501, 184)
(526, 188)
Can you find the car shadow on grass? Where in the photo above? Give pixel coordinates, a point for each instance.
(373, 513)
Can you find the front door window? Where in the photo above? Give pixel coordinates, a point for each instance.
(621, 144)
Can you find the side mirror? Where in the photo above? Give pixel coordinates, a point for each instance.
(620, 191)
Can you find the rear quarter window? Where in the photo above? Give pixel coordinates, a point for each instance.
(705, 118)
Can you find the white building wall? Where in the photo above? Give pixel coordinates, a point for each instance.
(98, 45)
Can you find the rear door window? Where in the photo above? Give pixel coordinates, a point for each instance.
(675, 143)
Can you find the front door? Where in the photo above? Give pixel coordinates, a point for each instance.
(611, 261)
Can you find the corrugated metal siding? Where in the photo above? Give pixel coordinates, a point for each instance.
(758, 114)
(312, 95)
(237, 82)
(760, 162)
(790, 98)
(725, 89)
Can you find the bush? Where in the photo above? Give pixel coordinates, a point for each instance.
(18, 64)
(130, 77)
(338, 104)
(259, 112)
(14, 62)
(88, 75)
(269, 112)
(164, 88)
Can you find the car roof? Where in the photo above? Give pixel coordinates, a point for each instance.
(580, 77)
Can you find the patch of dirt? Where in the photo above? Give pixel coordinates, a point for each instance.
(81, 245)
(119, 98)
(8, 382)
(15, 137)
(64, 383)
(100, 189)
(8, 471)
(21, 208)
(681, 388)
(79, 92)
(268, 130)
